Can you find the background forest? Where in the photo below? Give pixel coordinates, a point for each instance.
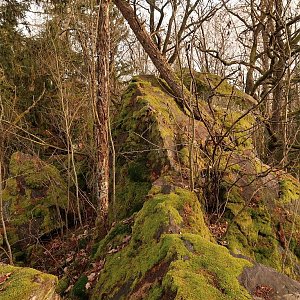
(87, 111)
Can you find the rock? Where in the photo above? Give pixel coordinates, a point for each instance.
(171, 253)
(281, 286)
(26, 284)
(219, 92)
(161, 264)
(35, 199)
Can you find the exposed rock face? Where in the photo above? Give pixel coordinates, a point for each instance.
(166, 251)
(26, 284)
(279, 286)
(35, 199)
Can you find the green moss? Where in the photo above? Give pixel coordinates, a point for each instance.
(35, 190)
(62, 285)
(240, 127)
(169, 234)
(253, 229)
(144, 122)
(138, 171)
(289, 189)
(218, 91)
(79, 290)
(267, 252)
(26, 283)
(184, 156)
(155, 292)
(295, 247)
(209, 273)
(130, 196)
(114, 238)
(251, 233)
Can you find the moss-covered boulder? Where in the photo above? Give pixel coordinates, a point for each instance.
(26, 284)
(151, 139)
(170, 255)
(35, 198)
(261, 213)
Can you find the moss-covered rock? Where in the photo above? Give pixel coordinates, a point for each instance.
(171, 252)
(152, 136)
(35, 199)
(218, 91)
(262, 214)
(26, 284)
(162, 249)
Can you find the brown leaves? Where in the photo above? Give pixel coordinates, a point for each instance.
(94, 273)
(3, 278)
(218, 229)
(264, 292)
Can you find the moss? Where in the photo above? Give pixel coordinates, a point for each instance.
(240, 127)
(253, 226)
(218, 91)
(209, 273)
(295, 247)
(184, 156)
(79, 290)
(130, 197)
(155, 292)
(113, 238)
(289, 189)
(170, 239)
(34, 193)
(144, 122)
(138, 171)
(26, 283)
(62, 285)
(251, 233)
(267, 252)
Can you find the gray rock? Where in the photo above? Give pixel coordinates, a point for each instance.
(283, 287)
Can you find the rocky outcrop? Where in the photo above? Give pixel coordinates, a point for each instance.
(161, 246)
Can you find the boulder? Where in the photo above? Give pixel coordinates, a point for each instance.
(266, 283)
(35, 199)
(26, 284)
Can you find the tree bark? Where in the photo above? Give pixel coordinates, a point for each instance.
(166, 72)
(102, 117)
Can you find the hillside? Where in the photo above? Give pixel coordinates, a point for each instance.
(196, 213)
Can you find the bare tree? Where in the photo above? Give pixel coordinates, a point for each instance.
(102, 115)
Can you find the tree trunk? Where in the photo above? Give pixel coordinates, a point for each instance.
(166, 72)
(102, 117)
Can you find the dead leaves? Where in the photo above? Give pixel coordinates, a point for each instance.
(3, 279)
(94, 273)
(264, 292)
(218, 229)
